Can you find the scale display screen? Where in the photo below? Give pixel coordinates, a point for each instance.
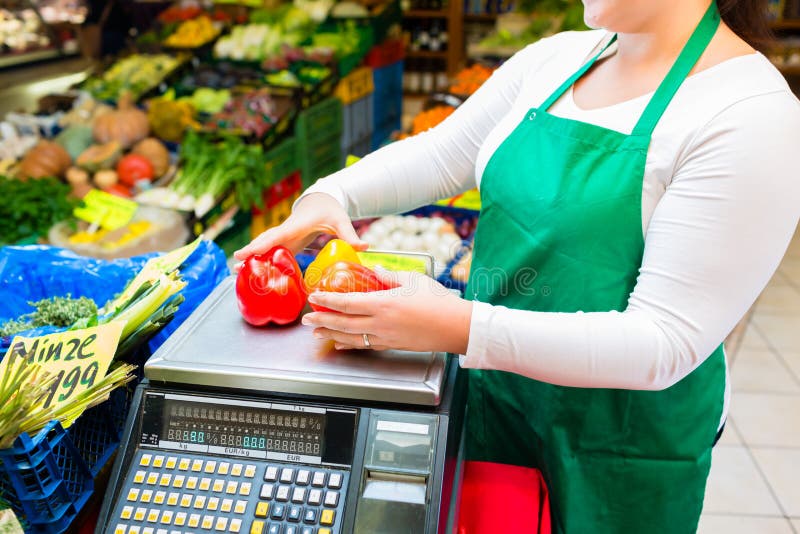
(299, 433)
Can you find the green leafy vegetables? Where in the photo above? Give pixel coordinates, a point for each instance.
(31, 207)
(55, 311)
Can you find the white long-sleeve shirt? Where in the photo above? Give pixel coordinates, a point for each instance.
(720, 202)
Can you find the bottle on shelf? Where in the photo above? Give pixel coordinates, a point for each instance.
(435, 43)
(428, 80)
(424, 37)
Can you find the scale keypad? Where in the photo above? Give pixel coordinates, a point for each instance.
(160, 496)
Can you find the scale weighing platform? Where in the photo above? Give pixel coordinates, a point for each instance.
(271, 431)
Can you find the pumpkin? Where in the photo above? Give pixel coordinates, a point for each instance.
(126, 124)
(98, 157)
(155, 152)
(46, 158)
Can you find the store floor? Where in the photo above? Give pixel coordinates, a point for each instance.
(755, 473)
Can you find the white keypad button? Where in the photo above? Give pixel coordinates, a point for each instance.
(315, 497)
(250, 471)
(335, 481)
(282, 494)
(271, 473)
(299, 495)
(287, 475)
(303, 476)
(236, 525)
(331, 498)
(319, 479)
(223, 468)
(267, 491)
(211, 466)
(236, 470)
(244, 488)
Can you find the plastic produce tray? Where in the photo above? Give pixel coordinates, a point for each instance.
(319, 132)
(282, 160)
(387, 102)
(357, 128)
(48, 478)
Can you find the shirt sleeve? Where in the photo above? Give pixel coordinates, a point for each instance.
(714, 241)
(438, 163)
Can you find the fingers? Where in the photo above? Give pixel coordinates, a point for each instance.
(345, 231)
(347, 303)
(343, 340)
(261, 244)
(348, 324)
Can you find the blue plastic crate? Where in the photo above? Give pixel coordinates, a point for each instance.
(48, 478)
(357, 122)
(387, 103)
(360, 148)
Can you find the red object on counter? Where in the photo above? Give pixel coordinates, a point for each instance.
(270, 288)
(503, 498)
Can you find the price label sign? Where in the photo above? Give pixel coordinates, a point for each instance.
(107, 211)
(77, 358)
(468, 200)
(390, 261)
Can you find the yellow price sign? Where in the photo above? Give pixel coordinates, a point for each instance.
(105, 210)
(468, 200)
(397, 262)
(77, 358)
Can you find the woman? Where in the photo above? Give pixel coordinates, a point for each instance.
(637, 194)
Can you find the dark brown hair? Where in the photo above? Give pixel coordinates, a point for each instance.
(748, 19)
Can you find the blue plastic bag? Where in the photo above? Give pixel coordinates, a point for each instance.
(36, 272)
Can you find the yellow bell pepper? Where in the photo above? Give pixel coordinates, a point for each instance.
(336, 250)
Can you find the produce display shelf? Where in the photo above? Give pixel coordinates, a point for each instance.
(11, 60)
(425, 13)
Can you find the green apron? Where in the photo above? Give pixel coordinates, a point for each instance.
(561, 205)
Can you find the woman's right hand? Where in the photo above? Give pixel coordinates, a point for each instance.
(315, 214)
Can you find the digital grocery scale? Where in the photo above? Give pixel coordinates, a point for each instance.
(271, 431)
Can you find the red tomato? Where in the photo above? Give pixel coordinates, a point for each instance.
(348, 277)
(132, 168)
(270, 288)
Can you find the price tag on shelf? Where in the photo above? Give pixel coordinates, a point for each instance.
(107, 211)
(397, 262)
(77, 358)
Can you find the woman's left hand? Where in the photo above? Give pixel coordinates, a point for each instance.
(418, 315)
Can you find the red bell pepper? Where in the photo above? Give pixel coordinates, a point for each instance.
(270, 288)
(348, 277)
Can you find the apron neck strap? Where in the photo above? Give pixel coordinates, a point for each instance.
(572, 79)
(686, 61)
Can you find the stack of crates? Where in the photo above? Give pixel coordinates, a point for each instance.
(318, 132)
(387, 102)
(355, 92)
